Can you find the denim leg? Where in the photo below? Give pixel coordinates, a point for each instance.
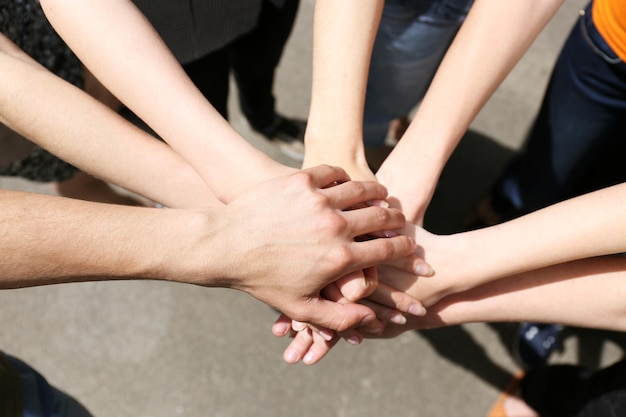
(582, 115)
(411, 41)
(40, 399)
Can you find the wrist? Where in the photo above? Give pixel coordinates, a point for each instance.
(184, 248)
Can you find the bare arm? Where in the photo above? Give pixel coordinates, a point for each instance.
(344, 33)
(66, 121)
(584, 227)
(585, 293)
(120, 47)
(493, 38)
(292, 234)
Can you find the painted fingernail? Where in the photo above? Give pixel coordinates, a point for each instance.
(354, 339)
(390, 233)
(417, 310)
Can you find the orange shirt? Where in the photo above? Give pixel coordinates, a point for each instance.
(609, 17)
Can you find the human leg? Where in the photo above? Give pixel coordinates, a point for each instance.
(581, 116)
(573, 391)
(210, 74)
(255, 57)
(409, 45)
(40, 399)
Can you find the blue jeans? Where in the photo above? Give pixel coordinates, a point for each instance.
(583, 115)
(412, 39)
(40, 399)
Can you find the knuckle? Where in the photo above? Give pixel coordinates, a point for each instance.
(335, 223)
(387, 249)
(358, 188)
(382, 216)
(301, 179)
(341, 257)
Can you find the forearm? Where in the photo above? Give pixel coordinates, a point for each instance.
(125, 53)
(344, 33)
(586, 293)
(491, 41)
(584, 227)
(66, 121)
(47, 240)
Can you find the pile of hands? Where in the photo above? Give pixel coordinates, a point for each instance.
(396, 290)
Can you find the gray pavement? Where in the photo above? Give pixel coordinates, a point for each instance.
(157, 349)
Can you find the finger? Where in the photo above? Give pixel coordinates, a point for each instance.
(389, 300)
(353, 194)
(325, 334)
(282, 326)
(298, 347)
(352, 336)
(369, 220)
(358, 284)
(324, 176)
(318, 349)
(341, 317)
(396, 278)
(380, 251)
(413, 264)
(298, 326)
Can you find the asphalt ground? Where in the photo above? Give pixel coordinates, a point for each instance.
(158, 349)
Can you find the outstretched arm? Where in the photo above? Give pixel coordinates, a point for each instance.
(72, 125)
(282, 242)
(344, 33)
(490, 42)
(584, 293)
(120, 47)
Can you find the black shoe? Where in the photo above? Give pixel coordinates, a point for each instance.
(288, 135)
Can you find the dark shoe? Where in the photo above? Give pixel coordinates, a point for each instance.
(288, 134)
(536, 342)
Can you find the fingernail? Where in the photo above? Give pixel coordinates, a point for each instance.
(367, 320)
(354, 339)
(417, 310)
(424, 270)
(413, 243)
(389, 233)
(308, 359)
(398, 319)
(374, 329)
(291, 356)
(298, 326)
(379, 203)
(327, 335)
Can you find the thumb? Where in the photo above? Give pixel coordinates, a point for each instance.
(341, 317)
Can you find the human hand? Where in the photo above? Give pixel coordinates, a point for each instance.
(296, 239)
(311, 343)
(356, 167)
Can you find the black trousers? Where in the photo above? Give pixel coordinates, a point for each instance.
(572, 391)
(253, 59)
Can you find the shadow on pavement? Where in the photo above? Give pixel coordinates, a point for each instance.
(466, 179)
